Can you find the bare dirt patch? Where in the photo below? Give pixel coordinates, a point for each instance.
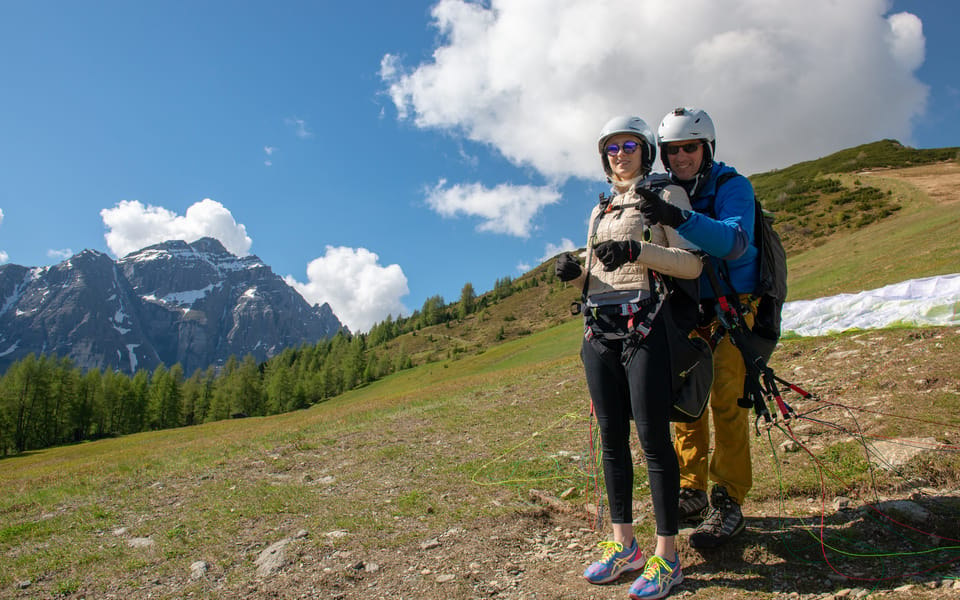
(940, 181)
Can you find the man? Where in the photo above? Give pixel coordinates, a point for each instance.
(721, 225)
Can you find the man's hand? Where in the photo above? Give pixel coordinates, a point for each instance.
(567, 268)
(614, 254)
(656, 210)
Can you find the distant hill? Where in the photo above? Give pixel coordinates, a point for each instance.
(812, 201)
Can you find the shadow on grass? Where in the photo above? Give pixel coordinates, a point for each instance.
(880, 546)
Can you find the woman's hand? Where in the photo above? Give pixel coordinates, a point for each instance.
(614, 254)
(567, 268)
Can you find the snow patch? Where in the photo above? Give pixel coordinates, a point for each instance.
(132, 356)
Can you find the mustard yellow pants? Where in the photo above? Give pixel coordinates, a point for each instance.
(730, 464)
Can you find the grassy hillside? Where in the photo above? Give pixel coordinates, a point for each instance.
(469, 477)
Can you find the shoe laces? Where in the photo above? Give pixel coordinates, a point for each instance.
(714, 518)
(656, 566)
(610, 548)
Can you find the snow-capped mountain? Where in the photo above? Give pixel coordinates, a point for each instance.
(195, 304)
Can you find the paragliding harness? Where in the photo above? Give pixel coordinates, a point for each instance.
(755, 344)
(691, 358)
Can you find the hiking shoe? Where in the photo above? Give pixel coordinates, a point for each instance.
(692, 503)
(722, 523)
(659, 577)
(614, 562)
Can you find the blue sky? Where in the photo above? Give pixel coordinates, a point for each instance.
(379, 156)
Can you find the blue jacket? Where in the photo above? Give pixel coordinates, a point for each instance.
(722, 226)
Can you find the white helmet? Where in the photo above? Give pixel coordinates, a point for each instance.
(683, 124)
(634, 126)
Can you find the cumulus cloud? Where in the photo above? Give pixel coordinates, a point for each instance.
(360, 291)
(507, 209)
(269, 150)
(4, 257)
(60, 254)
(552, 250)
(513, 74)
(132, 226)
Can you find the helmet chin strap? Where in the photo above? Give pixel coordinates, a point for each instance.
(690, 186)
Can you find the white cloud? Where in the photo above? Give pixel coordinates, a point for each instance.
(133, 226)
(784, 81)
(300, 128)
(552, 250)
(269, 150)
(507, 209)
(60, 254)
(360, 291)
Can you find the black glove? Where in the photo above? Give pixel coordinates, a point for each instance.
(656, 210)
(614, 254)
(567, 267)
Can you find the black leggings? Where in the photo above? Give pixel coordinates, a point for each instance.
(623, 382)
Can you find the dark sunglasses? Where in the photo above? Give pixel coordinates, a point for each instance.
(688, 148)
(628, 148)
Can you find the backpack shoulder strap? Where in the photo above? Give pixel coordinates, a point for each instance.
(603, 203)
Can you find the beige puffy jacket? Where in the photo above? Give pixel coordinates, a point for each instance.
(666, 251)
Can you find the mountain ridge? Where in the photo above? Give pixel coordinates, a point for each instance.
(194, 303)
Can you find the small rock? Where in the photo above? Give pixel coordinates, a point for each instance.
(430, 544)
(24, 584)
(140, 542)
(198, 570)
(446, 577)
(272, 558)
(790, 446)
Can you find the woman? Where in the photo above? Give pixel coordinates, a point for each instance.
(625, 353)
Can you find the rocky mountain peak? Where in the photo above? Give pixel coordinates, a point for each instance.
(175, 302)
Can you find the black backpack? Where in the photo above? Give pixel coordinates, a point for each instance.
(772, 283)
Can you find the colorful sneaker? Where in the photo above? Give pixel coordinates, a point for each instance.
(659, 577)
(614, 562)
(724, 521)
(692, 503)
